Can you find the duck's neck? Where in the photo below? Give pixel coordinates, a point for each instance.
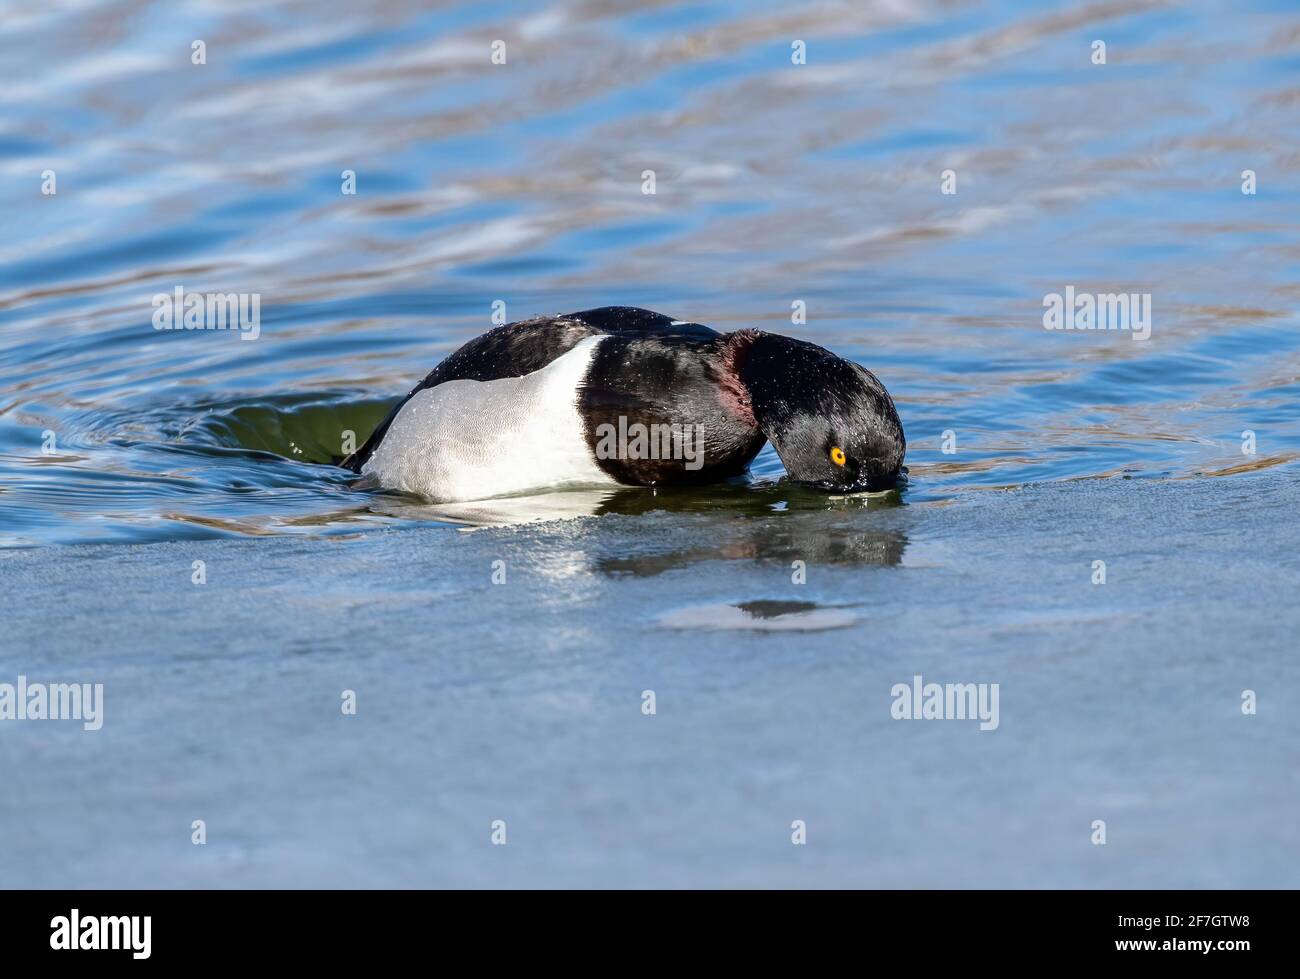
(770, 370)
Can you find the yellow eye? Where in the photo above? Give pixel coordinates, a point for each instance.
(837, 456)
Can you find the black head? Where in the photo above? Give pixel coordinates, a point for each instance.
(831, 422)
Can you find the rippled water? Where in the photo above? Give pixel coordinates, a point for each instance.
(522, 183)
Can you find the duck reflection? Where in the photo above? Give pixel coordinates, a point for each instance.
(788, 523)
(774, 522)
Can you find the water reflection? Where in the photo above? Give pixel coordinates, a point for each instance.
(815, 539)
(761, 616)
(760, 521)
(502, 512)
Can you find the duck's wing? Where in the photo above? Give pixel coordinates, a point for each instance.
(629, 321)
(517, 349)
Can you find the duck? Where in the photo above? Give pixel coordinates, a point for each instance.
(623, 396)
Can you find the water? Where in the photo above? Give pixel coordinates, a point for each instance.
(775, 184)
(522, 182)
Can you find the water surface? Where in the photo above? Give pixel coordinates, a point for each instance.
(521, 183)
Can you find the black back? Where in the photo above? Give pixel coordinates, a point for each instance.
(521, 348)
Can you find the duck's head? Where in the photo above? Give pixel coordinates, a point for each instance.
(831, 422)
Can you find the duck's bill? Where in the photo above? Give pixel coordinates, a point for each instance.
(886, 484)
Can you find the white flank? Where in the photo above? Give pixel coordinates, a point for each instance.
(473, 440)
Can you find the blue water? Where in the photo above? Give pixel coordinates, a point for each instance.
(521, 183)
(141, 451)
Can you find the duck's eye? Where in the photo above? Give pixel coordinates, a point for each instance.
(837, 456)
